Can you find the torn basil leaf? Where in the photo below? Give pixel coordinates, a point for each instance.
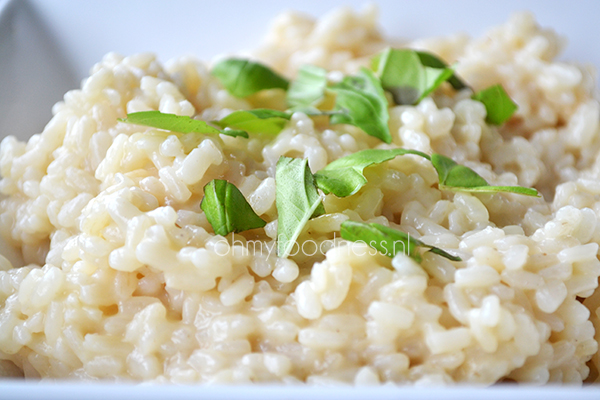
(227, 210)
(498, 104)
(243, 78)
(456, 177)
(297, 201)
(388, 241)
(361, 102)
(406, 77)
(452, 174)
(344, 176)
(176, 123)
(308, 88)
(431, 60)
(260, 120)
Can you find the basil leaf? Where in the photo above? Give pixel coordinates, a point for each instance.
(499, 189)
(440, 252)
(430, 60)
(406, 77)
(453, 176)
(176, 123)
(297, 201)
(260, 120)
(227, 210)
(308, 88)
(344, 176)
(362, 103)
(498, 105)
(242, 77)
(388, 241)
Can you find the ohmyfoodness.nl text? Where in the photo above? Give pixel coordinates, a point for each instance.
(310, 247)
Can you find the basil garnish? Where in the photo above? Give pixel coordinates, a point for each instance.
(388, 241)
(227, 210)
(362, 103)
(453, 176)
(176, 123)
(259, 120)
(297, 201)
(243, 78)
(344, 176)
(431, 60)
(498, 105)
(406, 77)
(308, 87)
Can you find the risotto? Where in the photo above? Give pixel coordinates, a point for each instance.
(169, 255)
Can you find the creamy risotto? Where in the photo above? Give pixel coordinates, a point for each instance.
(125, 278)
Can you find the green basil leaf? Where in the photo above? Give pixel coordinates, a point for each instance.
(344, 176)
(260, 120)
(453, 176)
(342, 117)
(499, 189)
(297, 201)
(242, 77)
(176, 123)
(361, 102)
(498, 104)
(406, 77)
(431, 60)
(433, 79)
(440, 252)
(308, 88)
(388, 241)
(227, 210)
